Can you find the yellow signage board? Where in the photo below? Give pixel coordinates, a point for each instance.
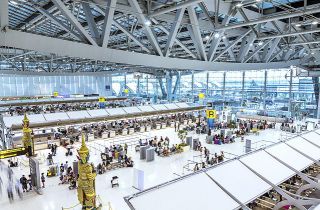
(201, 95)
(102, 99)
(211, 114)
(12, 152)
(126, 91)
(55, 94)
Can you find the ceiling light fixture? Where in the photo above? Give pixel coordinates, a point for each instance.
(13, 2)
(298, 25)
(147, 23)
(260, 43)
(207, 37)
(216, 35)
(224, 37)
(314, 22)
(239, 5)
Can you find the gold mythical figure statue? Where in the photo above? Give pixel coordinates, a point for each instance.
(27, 138)
(86, 180)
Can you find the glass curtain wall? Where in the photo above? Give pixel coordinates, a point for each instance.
(249, 90)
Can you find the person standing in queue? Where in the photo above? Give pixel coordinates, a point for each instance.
(43, 179)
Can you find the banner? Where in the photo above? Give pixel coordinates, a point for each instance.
(201, 95)
(211, 114)
(102, 99)
(55, 94)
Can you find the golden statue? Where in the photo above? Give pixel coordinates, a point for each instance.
(86, 180)
(27, 138)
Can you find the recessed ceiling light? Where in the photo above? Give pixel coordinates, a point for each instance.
(147, 23)
(314, 22)
(260, 43)
(207, 37)
(312, 53)
(239, 5)
(298, 25)
(216, 35)
(224, 37)
(250, 44)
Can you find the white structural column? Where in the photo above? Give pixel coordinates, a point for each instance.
(176, 40)
(178, 6)
(59, 23)
(256, 51)
(216, 41)
(91, 22)
(242, 89)
(318, 110)
(207, 84)
(192, 85)
(174, 31)
(231, 45)
(290, 92)
(72, 19)
(129, 34)
(149, 32)
(245, 47)
(230, 51)
(273, 47)
(108, 19)
(4, 14)
(265, 90)
(196, 32)
(224, 88)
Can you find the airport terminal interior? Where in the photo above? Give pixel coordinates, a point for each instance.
(159, 104)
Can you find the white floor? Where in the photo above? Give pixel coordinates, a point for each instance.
(161, 170)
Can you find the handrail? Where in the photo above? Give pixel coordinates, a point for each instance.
(128, 198)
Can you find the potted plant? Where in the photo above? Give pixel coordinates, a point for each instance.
(182, 134)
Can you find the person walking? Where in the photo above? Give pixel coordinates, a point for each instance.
(1, 187)
(126, 148)
(9, 191)
(66, 166)
(23, 181)
(43, 179)
(61, 169)
(30, 182)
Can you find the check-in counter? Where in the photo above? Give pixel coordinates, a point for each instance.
(158, 126)
(90, 137)
(142, 129)
(112, 134)
(163, 125)
(40, 146)
(148, 128)
(131, 130)
(105, 135)
(124, 132)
